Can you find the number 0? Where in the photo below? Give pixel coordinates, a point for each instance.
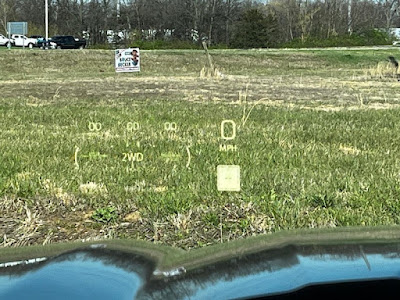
(233, 134)
(94, 126)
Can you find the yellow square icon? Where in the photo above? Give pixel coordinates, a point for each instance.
(228, 178)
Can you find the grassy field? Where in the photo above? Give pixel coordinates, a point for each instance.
(89, 154)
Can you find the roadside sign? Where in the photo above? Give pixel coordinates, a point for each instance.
(127, 60)
(17, 28)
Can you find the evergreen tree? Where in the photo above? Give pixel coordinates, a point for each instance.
(255, 30)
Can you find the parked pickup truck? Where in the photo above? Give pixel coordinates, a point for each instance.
(22, 41)
(68, 42)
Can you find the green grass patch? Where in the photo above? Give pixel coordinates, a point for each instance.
(88, 154)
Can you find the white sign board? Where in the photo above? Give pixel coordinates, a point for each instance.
(17, 28)
(127, 60)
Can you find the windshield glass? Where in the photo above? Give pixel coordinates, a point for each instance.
(179, 126)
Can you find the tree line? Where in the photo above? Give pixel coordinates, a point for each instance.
(233, 23)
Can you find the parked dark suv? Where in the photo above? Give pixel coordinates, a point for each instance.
(68, 42)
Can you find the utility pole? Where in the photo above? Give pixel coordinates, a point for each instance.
(46, 18)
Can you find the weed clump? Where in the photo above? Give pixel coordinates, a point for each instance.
(105, 215)
(383, 70)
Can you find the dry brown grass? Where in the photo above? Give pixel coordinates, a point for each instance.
(383, 70)
(299, 79)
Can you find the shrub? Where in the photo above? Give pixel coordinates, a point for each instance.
(161, 44)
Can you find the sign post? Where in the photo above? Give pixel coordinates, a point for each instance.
(127, 60)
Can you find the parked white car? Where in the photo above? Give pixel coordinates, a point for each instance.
(3, 40)
(20, 40)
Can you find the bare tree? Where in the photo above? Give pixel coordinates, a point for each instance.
(391, 11)
(287, 12)
(212, 4)
(306, 17)
(365, 15)
(7, 12)
(231, 12)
